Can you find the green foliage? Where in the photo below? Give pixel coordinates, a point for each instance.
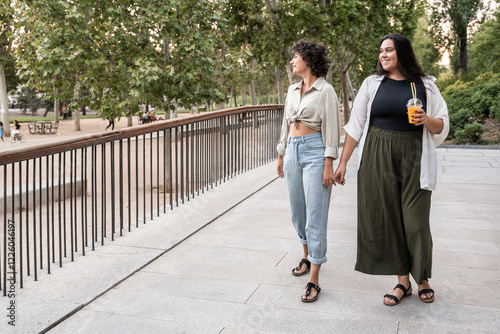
(423, 45)
(470, 134)
(485, 48)
(459, 16)
(111, 56)
(472, 102)
(29, 100)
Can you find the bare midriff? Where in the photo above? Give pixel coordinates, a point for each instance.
(300, 130)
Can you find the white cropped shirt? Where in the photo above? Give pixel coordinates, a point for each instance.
(318, 109)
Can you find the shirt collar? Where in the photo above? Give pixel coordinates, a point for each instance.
(318, 84)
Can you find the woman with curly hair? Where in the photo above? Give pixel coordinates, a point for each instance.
(308, 144)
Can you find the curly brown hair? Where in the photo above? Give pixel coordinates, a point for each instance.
(314, 54)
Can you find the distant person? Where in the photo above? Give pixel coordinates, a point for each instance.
(65, 111)
(111, 121)
(1, 130)
(396, 168)
(144, 117)
(308, 144)
(16, 133)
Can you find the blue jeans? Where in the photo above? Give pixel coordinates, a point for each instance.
(304, 163)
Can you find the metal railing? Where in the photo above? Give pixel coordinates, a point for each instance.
(61, 199)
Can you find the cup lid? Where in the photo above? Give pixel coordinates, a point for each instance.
(414, 102)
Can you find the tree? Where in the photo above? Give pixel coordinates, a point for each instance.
(423, 45)
(485, 47)
(113, 55)
(460, 16)
(6, 39)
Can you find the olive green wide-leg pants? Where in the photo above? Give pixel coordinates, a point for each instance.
(394, 236)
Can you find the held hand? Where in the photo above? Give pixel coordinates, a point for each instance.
(328, 177)
(421, 117)
(340, 174)
(434, 125)
(279, 167)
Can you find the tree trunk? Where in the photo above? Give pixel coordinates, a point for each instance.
(259, 93)
(243, 95)
(231, 97)
(329, 76)
(76, 111)
(4, 105)
(130, 121)
(349, 86)
(253, 98)
(345, 97)
(274, 95)
(281, 89)
(464, 57)
(57, 105)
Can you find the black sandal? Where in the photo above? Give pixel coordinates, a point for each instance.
(406, 294)
(309, 286)
(421, 292)
(308, 267)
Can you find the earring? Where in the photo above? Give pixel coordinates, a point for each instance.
(306, 67)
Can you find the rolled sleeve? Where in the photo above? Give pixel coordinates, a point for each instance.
(359, 112)
(330, 126)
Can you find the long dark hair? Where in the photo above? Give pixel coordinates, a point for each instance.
(408, 65)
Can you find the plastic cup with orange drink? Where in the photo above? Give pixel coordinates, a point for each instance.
(413, 105)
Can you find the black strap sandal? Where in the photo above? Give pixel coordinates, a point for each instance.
(309, 286)
(426, 300)
(308, 267)
(402, 288)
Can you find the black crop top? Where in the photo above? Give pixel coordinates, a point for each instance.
(389, 105)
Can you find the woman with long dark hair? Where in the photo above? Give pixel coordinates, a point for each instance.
(308, 144)
(397, 168)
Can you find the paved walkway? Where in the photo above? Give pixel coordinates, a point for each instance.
(221, 264)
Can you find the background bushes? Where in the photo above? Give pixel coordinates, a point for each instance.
(469, 104)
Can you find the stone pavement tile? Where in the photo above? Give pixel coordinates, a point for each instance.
(468, 175)
(483, 279)
(242, 331)
(406, 327)
(466, 234)
(470, 206)
(90, 274)
(464, 224)
(167, 231)
(467, 292)
(251, 242)
(479, 247)
(86, 321)
(461, 317)
(467, 260)
(466, 193)
(463, 160)
(45, 301)
(471, 162)
(190, 287)
(34, 313)
(217, 262)
(463, 213)
(247, 317)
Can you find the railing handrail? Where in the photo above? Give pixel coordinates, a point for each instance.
(36, 151)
